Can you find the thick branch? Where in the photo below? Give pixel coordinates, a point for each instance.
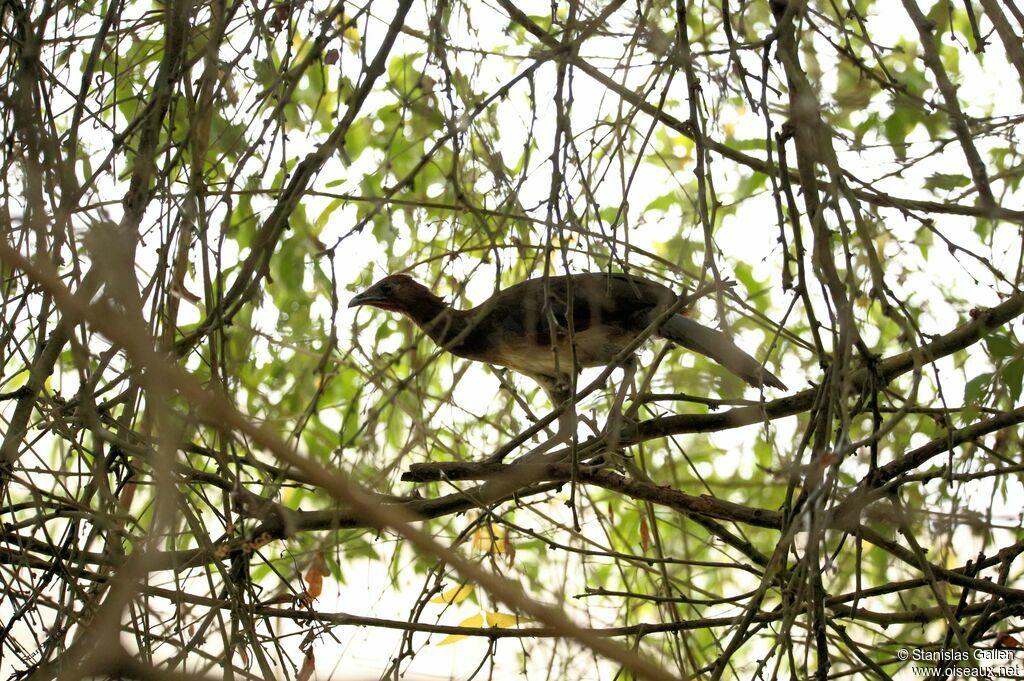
(888, 369)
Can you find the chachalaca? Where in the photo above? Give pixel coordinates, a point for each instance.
(550, 328)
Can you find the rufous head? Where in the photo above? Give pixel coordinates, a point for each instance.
(397, 293)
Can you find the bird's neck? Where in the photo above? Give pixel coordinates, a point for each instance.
(444, 324)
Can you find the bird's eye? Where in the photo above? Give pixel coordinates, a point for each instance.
(385, 289)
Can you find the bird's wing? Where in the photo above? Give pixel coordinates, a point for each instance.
(527, 327)
(577, 303)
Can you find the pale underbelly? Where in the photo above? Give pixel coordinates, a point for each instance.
(588, 349)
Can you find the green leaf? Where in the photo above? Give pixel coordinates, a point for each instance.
(924, 239)
(896, 132)
(976, 388)
(663, 203)
(946, 181)
(357, 139)
(325, 216)
(1000, 346)
(1012, 376)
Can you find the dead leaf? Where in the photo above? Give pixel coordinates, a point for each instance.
(491, 539)
(318, 569)
(308, 666)
(1007, 641)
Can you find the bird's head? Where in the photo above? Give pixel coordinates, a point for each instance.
(399, 293)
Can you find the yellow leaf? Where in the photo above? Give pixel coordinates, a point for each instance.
(489, 538)
(454, 638)
(493, 539)
(17, 381)
(476, 621)
(503, 620)
(456, 595)
(351, 34)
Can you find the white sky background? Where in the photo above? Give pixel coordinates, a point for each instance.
(750, 236)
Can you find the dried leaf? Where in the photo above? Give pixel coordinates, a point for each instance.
(491, 539)
(308, 667)
(318, 569)
(485, 536)
(1007, 641)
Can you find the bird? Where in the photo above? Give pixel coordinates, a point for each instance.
(550, 328)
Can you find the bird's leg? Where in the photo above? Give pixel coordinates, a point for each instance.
(613, 427)
(559, 391)
(567, 422)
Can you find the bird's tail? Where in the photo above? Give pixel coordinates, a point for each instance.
(719, 347)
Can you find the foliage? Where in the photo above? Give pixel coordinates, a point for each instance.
(202, 445)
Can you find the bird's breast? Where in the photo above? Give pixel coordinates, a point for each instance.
(589, 348)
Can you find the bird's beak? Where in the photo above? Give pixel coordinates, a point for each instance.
(366, 298)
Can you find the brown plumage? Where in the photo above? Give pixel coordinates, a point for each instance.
(550, 328)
